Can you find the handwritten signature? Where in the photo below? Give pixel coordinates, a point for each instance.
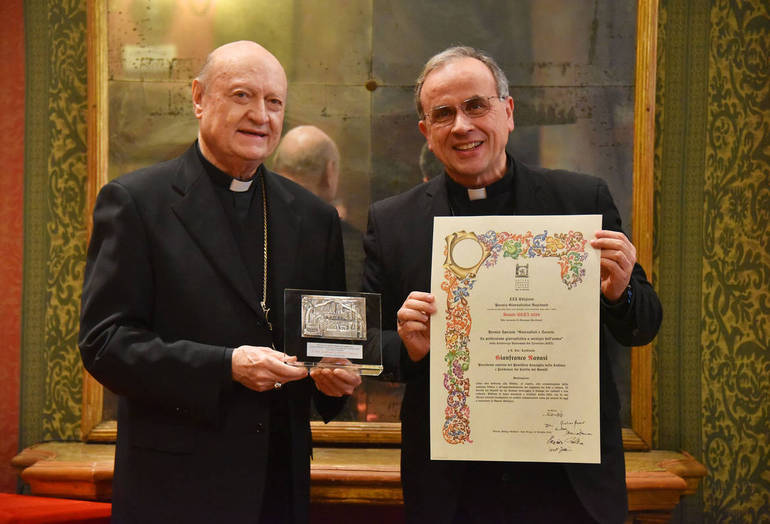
(566, 435)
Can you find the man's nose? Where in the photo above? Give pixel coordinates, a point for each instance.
(258, 111)
(462, 122)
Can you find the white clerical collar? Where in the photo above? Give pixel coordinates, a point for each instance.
(240, 186)
(477, 194)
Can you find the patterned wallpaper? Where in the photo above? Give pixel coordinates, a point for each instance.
(736, 266)
(54, 215)
(681, 112)
(66, 221)
(712, 251)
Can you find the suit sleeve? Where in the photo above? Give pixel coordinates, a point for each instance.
(636, 321)
(329, 407)
(396, 362)
(116, 340)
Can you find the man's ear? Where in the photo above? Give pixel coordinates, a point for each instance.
(509, 113)
(197, 98)
(424, 130)
(327, 185)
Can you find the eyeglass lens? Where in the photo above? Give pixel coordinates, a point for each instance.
(473, 107)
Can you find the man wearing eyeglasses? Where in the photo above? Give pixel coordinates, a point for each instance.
(466, 115)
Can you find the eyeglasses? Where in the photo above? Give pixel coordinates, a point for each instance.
(474, 107)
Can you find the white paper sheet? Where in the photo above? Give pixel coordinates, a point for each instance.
(514, 365)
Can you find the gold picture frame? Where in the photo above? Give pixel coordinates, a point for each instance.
(636, 437)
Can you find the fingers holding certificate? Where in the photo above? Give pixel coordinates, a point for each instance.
(516, 377)
(618, 259)
(413, 321)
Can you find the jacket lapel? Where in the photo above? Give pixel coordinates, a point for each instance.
(437, 198)
(284, 225)
(436, 204)
(529, 194)
(202, 215)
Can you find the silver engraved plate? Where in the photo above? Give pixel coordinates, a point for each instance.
(334, 317)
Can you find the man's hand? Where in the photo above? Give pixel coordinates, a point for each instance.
(262, 369)
(335, 381)
(617, 262)
(414, 323)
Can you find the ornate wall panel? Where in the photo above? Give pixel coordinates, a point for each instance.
(35, 215)
(54, 219)
(66, 225)
(736, 266)
(681, 131)
(682, 135)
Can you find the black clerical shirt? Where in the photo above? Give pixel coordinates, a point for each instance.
(499, 197)
(245, 213)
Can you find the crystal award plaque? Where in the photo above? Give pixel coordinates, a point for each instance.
(333, 329)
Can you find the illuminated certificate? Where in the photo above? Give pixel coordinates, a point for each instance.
(514, 367)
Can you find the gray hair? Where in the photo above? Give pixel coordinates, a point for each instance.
(455, 53)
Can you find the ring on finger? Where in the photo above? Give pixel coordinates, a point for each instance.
(277, 385)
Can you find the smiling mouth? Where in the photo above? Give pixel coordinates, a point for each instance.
(252, 133)
(468, 146)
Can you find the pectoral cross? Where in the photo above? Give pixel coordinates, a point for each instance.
(267, 312)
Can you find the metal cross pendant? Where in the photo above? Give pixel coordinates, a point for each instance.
(266, 310)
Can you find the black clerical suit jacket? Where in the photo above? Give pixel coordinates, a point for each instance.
(166, 292)
(398, 245)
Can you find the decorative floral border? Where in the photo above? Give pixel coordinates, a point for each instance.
(569, 248)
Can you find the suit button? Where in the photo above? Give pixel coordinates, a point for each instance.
(260, 427)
